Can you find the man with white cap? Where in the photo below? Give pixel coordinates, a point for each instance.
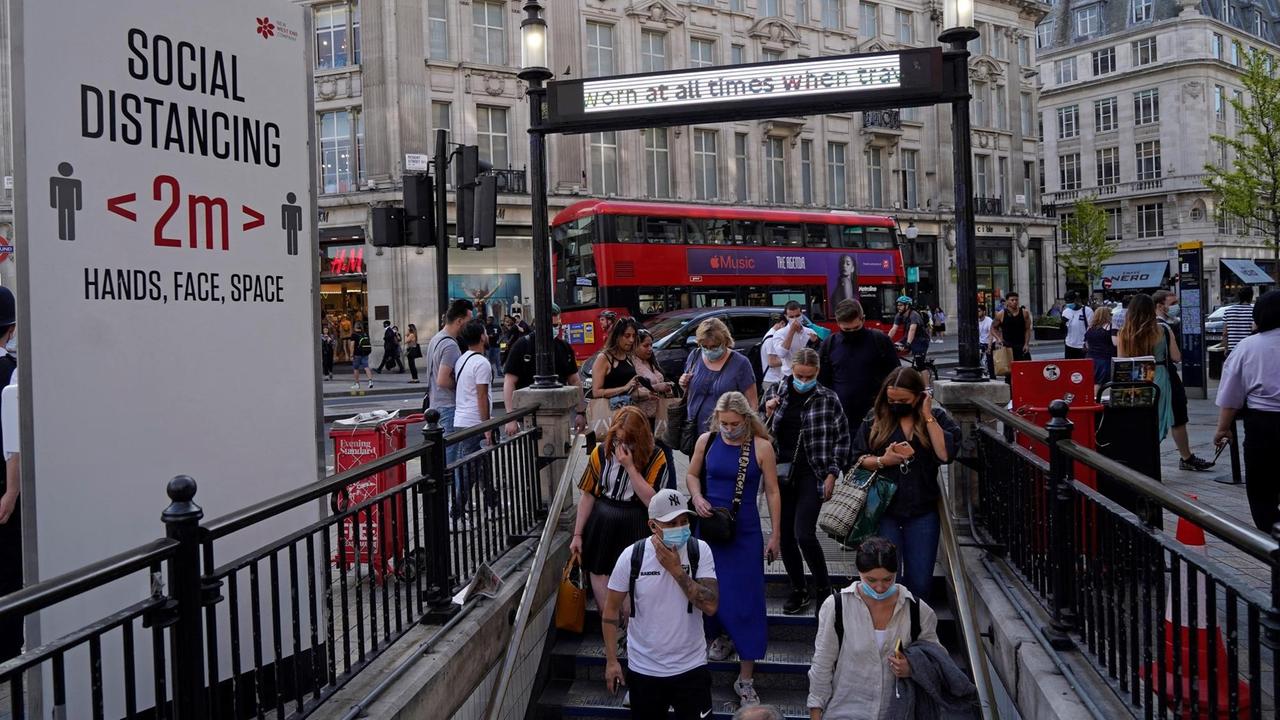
(672, 582)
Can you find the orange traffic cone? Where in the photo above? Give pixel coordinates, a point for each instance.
(1192, 536)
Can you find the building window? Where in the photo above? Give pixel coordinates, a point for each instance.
(981, 103)
(1105, 115)
(832, 14)
(1002, 180)
(1069, 171)
(489, 33)
(657, 163)
(706, 165)
(982, 175)
(740, 165)
(1002, 108)
(1215, 46)
(906, 27)
(1259, 25)
(1141, 10)
(604, 163)
(1028, 183)
(1220, 103)
(440, 116)
(910, 181)
(702, 53)
(1024, 108)
(653, 51)
(870, 20)
(1144, 51)
(438, 29)
(1065, 70)
(1146, 107)
(837, 190)
(491, 136)
(976, 46)
(806, 172)
(1024, 51)
(802, 11)
(1108, 160)
(1069, 122)
(1088, 20)
(337, 165)
(1228, 14)
(770, 55)
(737, 5)
(1238, 106)
(1235, 53)
(1148, 156)
(1115, 219)
(1000, 46)
(1104, 61)
(337, 35)
(1044, 34)
(599, 49)
(1150, 221)
(875, 178)
(771, 8)
(775, 164)
(737, 54)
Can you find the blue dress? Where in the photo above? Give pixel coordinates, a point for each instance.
(739, 563)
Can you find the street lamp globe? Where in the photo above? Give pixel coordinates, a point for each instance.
(957, 21)
(533, 44)
(912, 232)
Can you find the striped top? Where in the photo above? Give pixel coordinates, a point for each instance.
(608, 478)
(1238, 324)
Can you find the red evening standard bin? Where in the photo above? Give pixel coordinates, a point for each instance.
(376, 536)
(1037, 383)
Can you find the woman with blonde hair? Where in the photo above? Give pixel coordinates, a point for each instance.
(1100, 346)
(811, 435)
(715, 470)
(1143, 335)
(711, 371)
(622, 474)
(655, 389)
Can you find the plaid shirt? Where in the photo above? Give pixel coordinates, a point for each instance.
(824, 427)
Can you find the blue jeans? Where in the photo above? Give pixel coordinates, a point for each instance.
(917, 541)
(446, 424)
(465, 477)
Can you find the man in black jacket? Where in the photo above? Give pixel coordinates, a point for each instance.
(855, 361)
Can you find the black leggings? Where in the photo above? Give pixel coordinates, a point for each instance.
(1261, 455)
(801, 501)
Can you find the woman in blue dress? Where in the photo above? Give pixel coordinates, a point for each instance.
(741, 620)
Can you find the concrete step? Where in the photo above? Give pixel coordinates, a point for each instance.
(781, 656)
(590, 699)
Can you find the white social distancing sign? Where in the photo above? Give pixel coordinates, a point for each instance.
(168, 293)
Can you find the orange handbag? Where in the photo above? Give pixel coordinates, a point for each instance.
(571, 601)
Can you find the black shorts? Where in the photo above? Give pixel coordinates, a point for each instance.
(689, 694)
(1178, 398)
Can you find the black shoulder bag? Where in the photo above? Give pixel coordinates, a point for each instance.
(721, 527)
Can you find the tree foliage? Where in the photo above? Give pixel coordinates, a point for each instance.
(1249, 188)
(1085, 247)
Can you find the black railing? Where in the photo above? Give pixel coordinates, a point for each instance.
(511, 181)
(888, 119)
(279, 629)
(988, 206)
(1176, 632)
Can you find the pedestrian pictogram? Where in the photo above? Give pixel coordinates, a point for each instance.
(291, 221)
(66, 197)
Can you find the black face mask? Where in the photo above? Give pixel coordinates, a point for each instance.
(901, 409)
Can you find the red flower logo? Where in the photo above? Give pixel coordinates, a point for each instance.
(266, 28)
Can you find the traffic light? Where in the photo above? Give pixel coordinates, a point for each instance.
(419, 210)
(388, 227)
(468, 172)
(485, 217)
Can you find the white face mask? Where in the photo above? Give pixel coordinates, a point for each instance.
(11, 347)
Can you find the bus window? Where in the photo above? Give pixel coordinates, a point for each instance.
(663, 230)
(783, 234)
(816, 235)
(851, 236)
(574, 253)
(746, 232)
(782, 297)
(652, 301)
(695, 231)
(715, 231)
(880, 238)
(748, 329)
(627, 229)
(714, 298)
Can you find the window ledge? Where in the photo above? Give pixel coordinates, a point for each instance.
(318, 73)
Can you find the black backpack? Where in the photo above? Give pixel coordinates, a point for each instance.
(364, 348)
(637, 559)
(913, 608)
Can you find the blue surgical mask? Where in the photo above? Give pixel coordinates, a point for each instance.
(733, 435)
(803, 387)
(1175, 311)
(714, 354)
(1073, 306)
(676, 537)
(871, 593)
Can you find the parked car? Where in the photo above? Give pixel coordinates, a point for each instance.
(1213, 326)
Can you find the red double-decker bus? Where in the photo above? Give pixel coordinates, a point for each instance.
(646, 258)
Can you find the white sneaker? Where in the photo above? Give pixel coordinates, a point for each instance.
(746, 691)
(626, 699)
(355, 386)
(370, 384)
(721, 649)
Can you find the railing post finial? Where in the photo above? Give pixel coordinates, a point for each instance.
(182, 523)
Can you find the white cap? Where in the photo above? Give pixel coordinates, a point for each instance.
(667, 505)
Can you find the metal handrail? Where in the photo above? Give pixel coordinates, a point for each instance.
(965, 612)
(1243, 538)
(63, 587)
(530, 585)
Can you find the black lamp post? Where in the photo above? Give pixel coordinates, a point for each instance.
(534, 69)
(959, 30)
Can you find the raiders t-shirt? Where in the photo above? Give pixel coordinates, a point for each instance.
(664, 639)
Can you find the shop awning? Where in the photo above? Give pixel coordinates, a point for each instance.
(1134, 276)
(1248, 271)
